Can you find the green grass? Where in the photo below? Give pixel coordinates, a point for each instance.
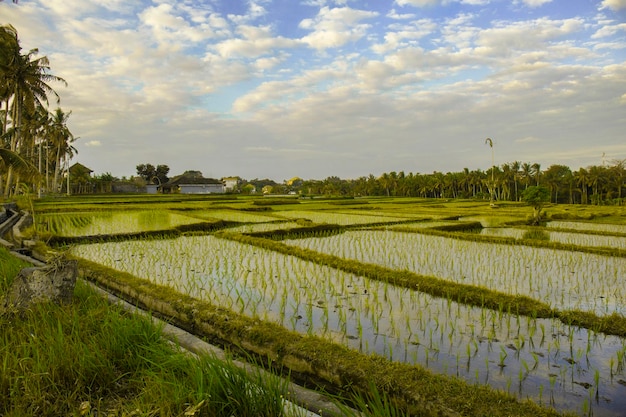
(9, 268)
(58, 360)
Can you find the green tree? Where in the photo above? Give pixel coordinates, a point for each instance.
(152, 174)
(536, 172)
(24, 86)
(536, 196)
(617, 176)
(60, 139)
(18, 164)
(526, 174)
(558, 177)
(582, 180)
(597, 179)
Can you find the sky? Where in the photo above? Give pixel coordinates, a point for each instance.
(317, 88)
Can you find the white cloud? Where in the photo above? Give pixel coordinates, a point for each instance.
(505, 37)
(255, 11)
(476, 2)
(405, 35)
(535, 3)
(92, 143)
(70, 8)
(393, 14)
(609, 30)
(613, 4)
(420, 3)
(255, 41)
(333, 28)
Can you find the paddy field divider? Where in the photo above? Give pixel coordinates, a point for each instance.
(614, 324)
(312, 361)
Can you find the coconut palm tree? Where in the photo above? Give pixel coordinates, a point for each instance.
(60, 139)
(582, 181)
(597, 178)
(517, 174)
(617, 176)
(526, 174)
(536, 172)
(24, 80)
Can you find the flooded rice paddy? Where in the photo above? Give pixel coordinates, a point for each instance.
(552, 363)
(577, 239)
(566, 280)
(112, 222)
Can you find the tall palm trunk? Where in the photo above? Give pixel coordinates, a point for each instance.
(57, 169)
(15, 139)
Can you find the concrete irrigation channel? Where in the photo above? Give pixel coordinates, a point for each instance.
(302, 401)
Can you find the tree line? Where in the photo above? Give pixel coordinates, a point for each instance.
(35, 142)
(598, 184)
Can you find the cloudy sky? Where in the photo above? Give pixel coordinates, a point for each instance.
(317, 88)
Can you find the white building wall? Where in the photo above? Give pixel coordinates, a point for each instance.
(201, 188)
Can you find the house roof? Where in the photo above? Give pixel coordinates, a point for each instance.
(191, 178)
(80, 168)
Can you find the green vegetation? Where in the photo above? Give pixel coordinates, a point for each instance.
(537, 197)
(90, 358)
(10, 266)
(28, 127)
(222, 296)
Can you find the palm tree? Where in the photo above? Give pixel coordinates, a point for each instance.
(536, 172)
(558, 176)
(515, 168)
(60, 139)
(492, 186)
(24, 81)
(582, 180)
(526, 174)
(477, 177)
(386, 183)
(617, 175)
(597, 176)
(505, 180)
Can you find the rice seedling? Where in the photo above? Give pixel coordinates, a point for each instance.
(392, 321)
(340, 218)
(539, 273)
(587, 226)
(112, 222)
(370, 316)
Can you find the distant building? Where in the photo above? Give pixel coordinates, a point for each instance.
(79, 170)
(231, 183)
(192, 182)
(80, 180)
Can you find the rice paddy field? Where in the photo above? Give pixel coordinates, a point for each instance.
(318, 268)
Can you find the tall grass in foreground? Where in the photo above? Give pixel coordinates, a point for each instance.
(90, 358)
(9, 268)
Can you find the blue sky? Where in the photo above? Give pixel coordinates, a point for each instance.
(317, 88)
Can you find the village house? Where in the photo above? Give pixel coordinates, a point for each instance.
(192, 182)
